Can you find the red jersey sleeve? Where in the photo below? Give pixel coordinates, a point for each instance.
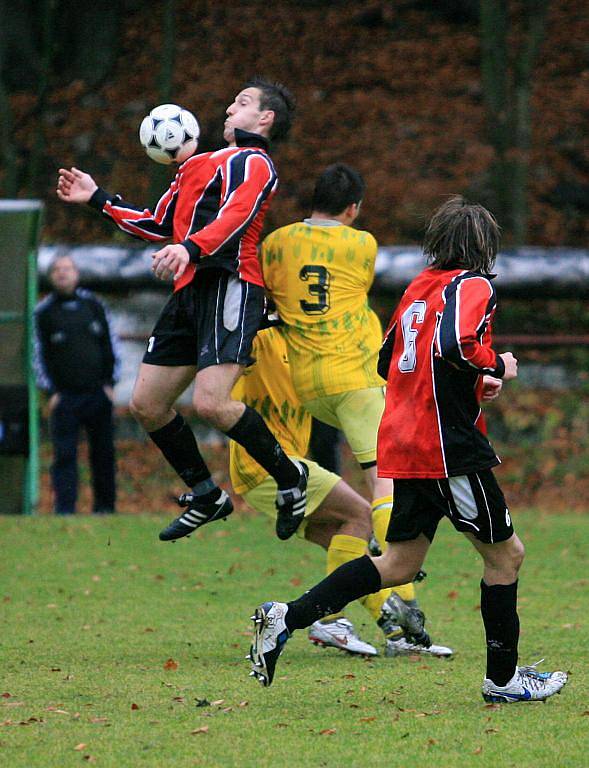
(140, 222)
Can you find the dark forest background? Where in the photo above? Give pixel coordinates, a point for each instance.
(489, 99)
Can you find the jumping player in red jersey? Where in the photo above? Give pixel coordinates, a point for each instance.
(439, 364)
(213, 213)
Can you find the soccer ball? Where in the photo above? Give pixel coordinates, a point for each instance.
(169, 134)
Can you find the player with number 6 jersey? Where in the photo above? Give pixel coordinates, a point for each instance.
(436, 348)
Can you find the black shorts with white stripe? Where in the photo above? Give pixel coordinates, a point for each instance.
(474, 503)
(212, 320)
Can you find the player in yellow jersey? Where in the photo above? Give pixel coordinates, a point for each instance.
(319, 272)
(336, 517)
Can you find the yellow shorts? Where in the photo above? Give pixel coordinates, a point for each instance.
(357, 414)
(262, 498)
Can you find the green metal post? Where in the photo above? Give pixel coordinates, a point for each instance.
(20, 222)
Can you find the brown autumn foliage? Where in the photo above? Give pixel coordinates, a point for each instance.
(542, 438)
(393, 88)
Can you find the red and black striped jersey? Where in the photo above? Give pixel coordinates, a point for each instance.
(215, 207)
(435, 352)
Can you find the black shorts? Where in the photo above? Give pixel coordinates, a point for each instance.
(473, 503)
(212, 320)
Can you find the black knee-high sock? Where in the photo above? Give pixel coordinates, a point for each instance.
(499, 612)
(350, 581)
(252, 433)
(177, 442)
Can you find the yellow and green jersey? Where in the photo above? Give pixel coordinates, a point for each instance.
(266, 386)
(319, 275)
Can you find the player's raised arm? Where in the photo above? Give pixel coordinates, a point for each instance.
(75, 186)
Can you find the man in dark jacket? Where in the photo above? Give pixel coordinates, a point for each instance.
(76, 363)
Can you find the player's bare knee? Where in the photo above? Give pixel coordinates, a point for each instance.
(393, 569)
(207, 407)
(517, 554)
(140, 412)
(359, 515)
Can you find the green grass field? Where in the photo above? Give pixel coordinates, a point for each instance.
(123, 651)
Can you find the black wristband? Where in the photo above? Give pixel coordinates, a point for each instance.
(499, 371)
(193, 250)
(99, 199)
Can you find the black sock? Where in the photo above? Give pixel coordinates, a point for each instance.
(176, 441)
(350, 581)
(252, 433)
(499, 612)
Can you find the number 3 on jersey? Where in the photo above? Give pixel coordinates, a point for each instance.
(318, 278)
(413, 314)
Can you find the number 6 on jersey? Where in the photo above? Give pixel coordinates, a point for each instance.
(413, 314)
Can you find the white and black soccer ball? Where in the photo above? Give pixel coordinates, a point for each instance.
(169, 134)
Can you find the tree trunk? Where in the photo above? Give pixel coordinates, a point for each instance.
(48, 15)
(535, 21)
(495, 80)
(507, 90)
(159, 175)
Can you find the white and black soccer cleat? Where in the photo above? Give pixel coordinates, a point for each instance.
(400, 646)
(526, 685)
(196, 515)
(270, 636)
(291, 504)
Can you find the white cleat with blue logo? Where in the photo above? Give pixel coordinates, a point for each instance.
(526, 685)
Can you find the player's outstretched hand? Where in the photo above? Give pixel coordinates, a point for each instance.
(75, 186)
(510, 366)
(491, 388)
(170, 262)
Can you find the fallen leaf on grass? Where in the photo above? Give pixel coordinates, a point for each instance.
(217, 702)
(492, 706)
(282, 725)
(79, 747)
(202, 729)
(296, 581)
(432, 741)
(55, 669)
(6, 695)
(12, 703)
(328, 732)
(586, 712)
(491, 730)
(348, 676)
(99, 719)
(134, 706)
(89, 758)
(171, 664)
(452, 595)
(243, 704)
(367, 719)
(477, 751)
(227, 709)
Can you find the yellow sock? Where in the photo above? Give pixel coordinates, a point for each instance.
(342, 548)
(405, 591)
(381, 514)
(373, 603)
